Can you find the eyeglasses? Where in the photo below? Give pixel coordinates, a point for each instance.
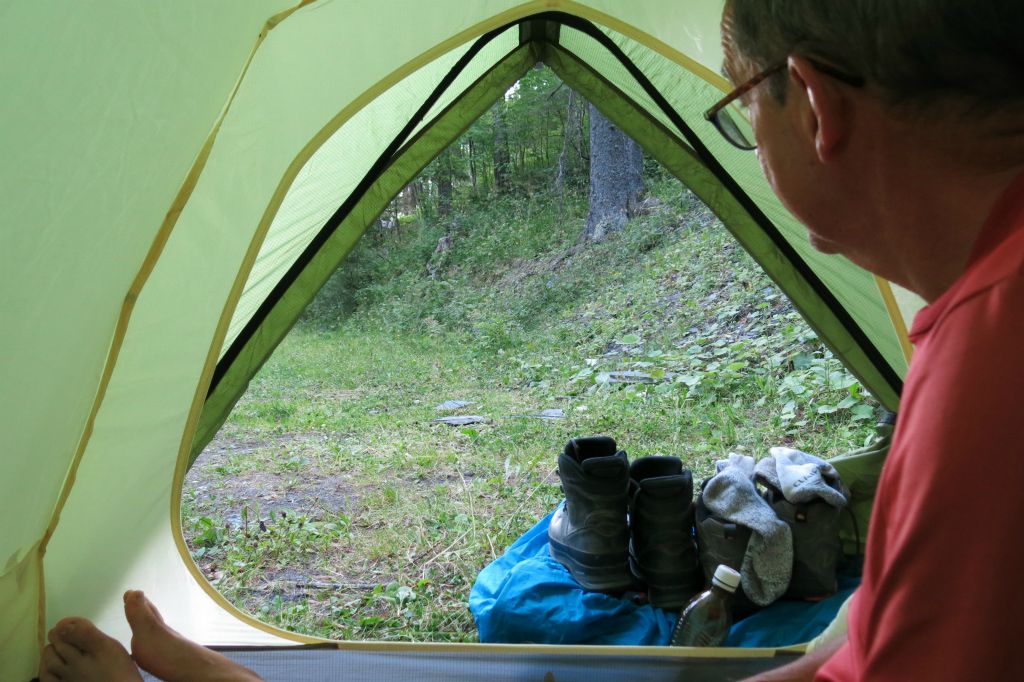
(732, 124)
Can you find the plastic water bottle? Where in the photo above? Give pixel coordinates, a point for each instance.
(705, 621)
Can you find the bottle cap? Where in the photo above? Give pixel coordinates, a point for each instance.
(727, 578)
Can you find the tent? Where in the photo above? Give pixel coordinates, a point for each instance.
(180, 178)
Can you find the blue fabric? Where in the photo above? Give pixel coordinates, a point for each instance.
(791, 622)
(526, 596)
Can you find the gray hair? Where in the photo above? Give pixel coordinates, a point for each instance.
(965, 56)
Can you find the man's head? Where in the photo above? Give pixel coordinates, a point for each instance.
(928, 58)
(927, 83)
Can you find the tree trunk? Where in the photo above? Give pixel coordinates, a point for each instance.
(573, 157)
(472, 167)
(500, 155)
(444, 184)
(421, 195)
(408, 199)
(616, 178)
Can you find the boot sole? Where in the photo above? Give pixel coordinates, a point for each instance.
(611, 575)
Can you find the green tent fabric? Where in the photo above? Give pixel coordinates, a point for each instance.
(180, 178)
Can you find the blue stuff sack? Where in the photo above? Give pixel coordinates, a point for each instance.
(525, 596)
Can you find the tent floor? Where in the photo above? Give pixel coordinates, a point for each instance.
(310, 664)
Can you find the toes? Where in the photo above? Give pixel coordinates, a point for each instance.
(80, 652)
(139, 611)
(152, 609)
(68, 653)
(135, 610)
(52, 665)
(78, 633)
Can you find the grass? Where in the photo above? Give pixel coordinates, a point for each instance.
(332, 504)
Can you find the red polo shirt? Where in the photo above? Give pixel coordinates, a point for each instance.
(943, 590)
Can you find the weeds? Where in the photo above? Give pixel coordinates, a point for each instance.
(331, 504)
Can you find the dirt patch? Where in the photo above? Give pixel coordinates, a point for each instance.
(327, 395)
(267, 476)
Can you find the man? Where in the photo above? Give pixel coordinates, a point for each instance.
(895, 132)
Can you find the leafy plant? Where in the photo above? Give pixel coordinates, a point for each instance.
(666, 336)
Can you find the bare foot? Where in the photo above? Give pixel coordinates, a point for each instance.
(164, 653)
(79, 652)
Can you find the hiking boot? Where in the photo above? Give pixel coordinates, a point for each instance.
(588, 533)
(662, 551)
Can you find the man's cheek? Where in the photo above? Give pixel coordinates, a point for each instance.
(822, 244)
(766, 168)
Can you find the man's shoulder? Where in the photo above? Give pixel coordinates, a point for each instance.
(994, 286)
(971, 359)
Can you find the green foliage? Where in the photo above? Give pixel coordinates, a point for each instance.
(245, 548)
(332, 504)
(517, 318)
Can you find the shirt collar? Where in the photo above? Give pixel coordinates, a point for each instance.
(1006, 217)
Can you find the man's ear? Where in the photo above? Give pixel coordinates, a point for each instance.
(825, 115)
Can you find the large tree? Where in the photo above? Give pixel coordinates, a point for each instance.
(616, 177)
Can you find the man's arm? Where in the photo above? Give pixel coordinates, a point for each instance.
(804, 668)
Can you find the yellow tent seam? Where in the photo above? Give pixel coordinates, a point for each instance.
(69, 481)
(121, 328)
(40, 612)
(895, 316)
